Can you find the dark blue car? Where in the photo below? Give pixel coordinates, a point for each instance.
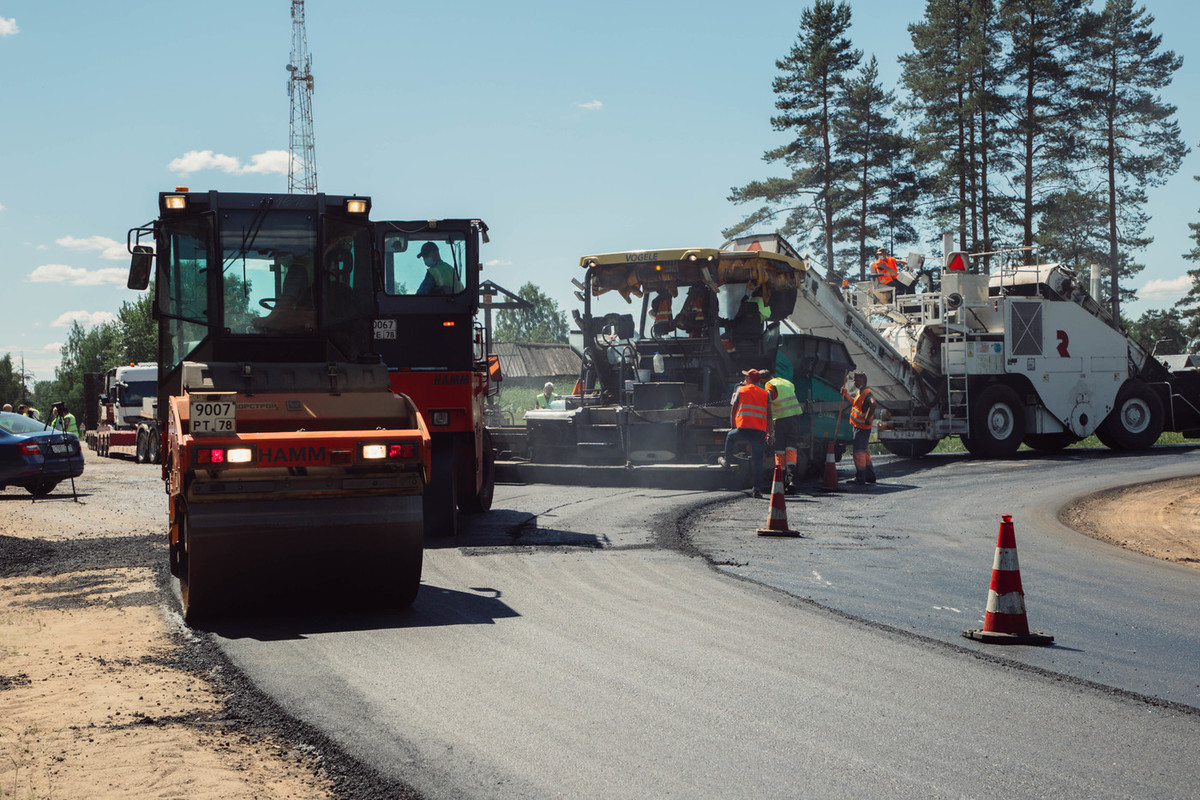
(35, 457)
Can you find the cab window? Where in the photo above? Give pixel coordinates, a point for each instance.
(424, 263)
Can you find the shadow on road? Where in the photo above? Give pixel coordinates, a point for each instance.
(435, 606)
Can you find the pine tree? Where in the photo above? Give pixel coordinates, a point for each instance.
(812, 78)
(1046, 37)
(1189, 304)
(1131, 135)
(952, 76)
(880, 198)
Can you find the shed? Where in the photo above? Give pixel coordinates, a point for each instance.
(531, 364)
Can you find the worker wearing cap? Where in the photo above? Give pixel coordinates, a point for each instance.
(785, 412)
(440, 277)
(547, 396)
(862, 416)
(750, 421)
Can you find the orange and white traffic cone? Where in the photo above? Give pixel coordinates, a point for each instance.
(777, 524)
(1004, 621)
(829, 480)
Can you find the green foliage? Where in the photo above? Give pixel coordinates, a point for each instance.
(1189, 305)
(543, 322)
(808, 90)
(1160, 332)
(10, 382)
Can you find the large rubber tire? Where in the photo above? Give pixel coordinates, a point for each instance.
(1050, 442)
(153, 448)
(41, 488)
(140, 450)
(909, 448)
(997, 423)
(1136, 421)
(476, 502)
(441, 494)
(191, 590)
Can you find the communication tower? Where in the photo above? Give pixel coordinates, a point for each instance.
(302, 164)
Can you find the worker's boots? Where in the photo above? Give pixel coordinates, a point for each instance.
(869, 473)
(789, 479)
(860, 477)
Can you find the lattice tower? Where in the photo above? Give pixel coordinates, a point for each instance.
(302, 165)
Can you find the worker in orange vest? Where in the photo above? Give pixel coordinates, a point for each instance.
(660, 310)
(862, 416)
(887, 268)
(751, 422)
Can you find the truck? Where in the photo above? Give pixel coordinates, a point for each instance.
(664, 338)
(120, 418)
(1023, 354)
(289, 462)
(436, 353)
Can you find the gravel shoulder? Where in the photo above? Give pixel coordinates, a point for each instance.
(106, 694)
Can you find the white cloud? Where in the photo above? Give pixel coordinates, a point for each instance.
(594, 105)
(85, 318)
(1, 206)
(78, 276)
(271, 161)
(1159, 289)
(496, 262)
(8, 27)
(109, 249)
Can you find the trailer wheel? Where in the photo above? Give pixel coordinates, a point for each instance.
(1050, 442)
(997, 423)
(1136, 421)
(441, 493)
(909, 448)
(139, 452)
(153, 456)
(477, 502)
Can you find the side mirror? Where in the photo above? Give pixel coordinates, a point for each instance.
(140, 267)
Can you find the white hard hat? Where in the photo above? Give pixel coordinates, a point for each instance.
(548, 385)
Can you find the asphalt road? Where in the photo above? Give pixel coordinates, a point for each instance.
(915, 552)
(575, 643)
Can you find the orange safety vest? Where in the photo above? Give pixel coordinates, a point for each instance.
(860, 416)
(753, 402)
(661, 307)
(885, 270)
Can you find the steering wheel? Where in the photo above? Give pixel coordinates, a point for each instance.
(268, 303)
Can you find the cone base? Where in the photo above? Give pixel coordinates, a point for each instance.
(995, 637)
(773, 532)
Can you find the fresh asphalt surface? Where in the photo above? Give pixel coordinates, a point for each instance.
(574, 643)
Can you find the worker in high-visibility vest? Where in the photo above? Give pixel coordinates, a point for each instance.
(694, 316)
(750, 422)
(786, 411)
(887, 269)
(546, 398)
(660, 310)
(862, 417)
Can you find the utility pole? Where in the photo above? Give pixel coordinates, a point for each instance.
(302, 165)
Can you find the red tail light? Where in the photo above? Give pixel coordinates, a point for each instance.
(29, 449)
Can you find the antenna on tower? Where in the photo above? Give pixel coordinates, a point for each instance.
(302, 164)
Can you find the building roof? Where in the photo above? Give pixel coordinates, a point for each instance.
(535, 360)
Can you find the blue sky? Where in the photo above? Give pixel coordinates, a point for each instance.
(570, 128)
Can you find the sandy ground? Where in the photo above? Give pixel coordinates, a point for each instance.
(104, 693)
(96, 697)
(1159, 519)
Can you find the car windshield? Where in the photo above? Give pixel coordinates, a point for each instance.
(19, 425)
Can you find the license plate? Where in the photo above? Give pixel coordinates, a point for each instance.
(385, 329)
(60, 448)
(213, 413)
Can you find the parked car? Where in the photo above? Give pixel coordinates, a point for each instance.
(35, 457)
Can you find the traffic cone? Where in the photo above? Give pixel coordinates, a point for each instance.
(829, 481)
(777, 523)
(1005, 621)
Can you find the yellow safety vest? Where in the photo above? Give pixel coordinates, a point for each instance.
(784, 404)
